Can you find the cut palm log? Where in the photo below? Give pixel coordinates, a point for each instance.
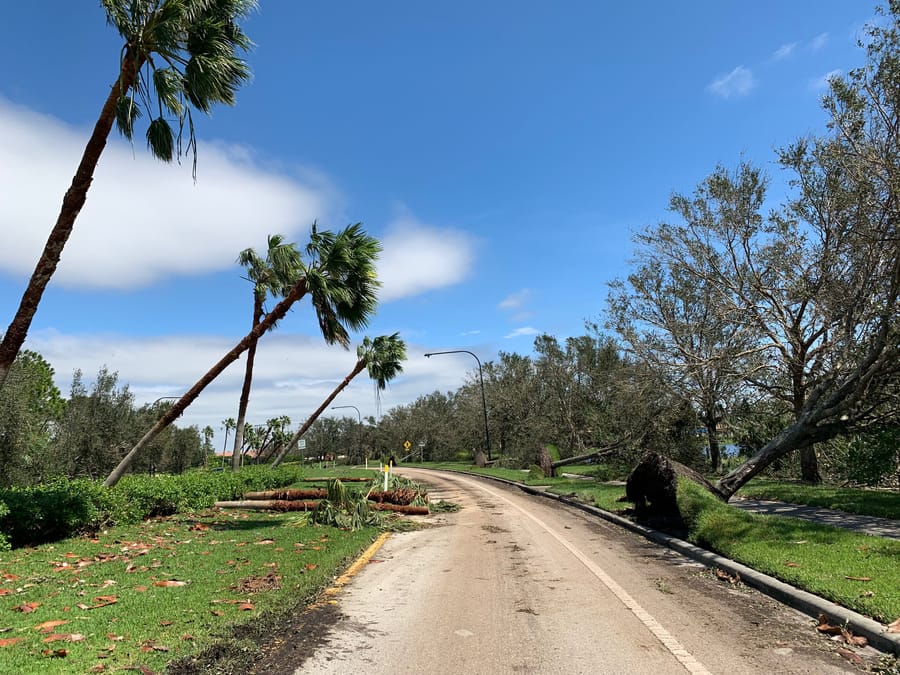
(289, 495)
(402, 496)
(268, 505)
(287, 505)
(328, 479)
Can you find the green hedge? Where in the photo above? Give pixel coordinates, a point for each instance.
(64, 507)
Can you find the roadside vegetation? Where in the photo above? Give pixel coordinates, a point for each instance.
(175, 584)
(141, 596)
(855, 570)
(866, 502)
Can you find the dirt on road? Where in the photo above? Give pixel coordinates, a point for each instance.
(513, 583)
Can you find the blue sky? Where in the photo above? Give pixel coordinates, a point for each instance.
(504, 152)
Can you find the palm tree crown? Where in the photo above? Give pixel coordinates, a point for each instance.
(177, 54)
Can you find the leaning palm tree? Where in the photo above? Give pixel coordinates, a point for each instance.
(340, 279)
(177, 55)
(382, 357)
(273, 275)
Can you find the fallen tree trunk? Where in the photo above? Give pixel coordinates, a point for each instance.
(268, 505)
(581, 458)
(327, 479)
(401, 496)
(288, 495)
(288, 505)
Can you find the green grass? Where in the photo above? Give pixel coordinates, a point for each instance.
(880, 503)
(121, 610)
(854, 570)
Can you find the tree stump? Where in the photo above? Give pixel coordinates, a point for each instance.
(545, 461)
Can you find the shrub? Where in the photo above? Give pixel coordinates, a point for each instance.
(63, 508)
(4, 541)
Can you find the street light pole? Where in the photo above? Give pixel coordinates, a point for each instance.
(359, 415)
(487, 436)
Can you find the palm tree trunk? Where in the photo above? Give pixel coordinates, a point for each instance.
(245, 389)
(72, 203)
(360, 366)
(278, 313)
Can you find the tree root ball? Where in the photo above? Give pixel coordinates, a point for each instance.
(652, 486)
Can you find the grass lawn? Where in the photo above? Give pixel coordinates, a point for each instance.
(142, 596)
(881, 503)
(858, 571)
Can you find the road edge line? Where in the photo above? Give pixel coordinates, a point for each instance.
(357, 565)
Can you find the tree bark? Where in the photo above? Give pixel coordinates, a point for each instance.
(795, 436)
(715, 453)
(581, 458)
(360, 366)
(284, 505)
(72, 203)
(245, 388)
(280, 310)
(809, 466)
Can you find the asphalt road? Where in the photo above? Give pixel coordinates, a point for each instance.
(512, 583)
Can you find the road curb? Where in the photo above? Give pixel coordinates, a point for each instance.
(357, 565)
(803, 601)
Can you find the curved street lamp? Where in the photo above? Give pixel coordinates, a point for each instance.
(487, 437)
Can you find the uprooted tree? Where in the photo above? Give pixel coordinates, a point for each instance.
(816, 283)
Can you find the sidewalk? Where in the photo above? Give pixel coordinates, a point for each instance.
(879, 527)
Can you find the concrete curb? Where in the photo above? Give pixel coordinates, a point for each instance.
(809, 604)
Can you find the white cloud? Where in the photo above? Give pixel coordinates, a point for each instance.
(143, 220)
(293, 374)
(418, 257)
(784, 51)
(818, 42)
(524, 331)
(823, 82)
(739, 82)
(515, 300)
